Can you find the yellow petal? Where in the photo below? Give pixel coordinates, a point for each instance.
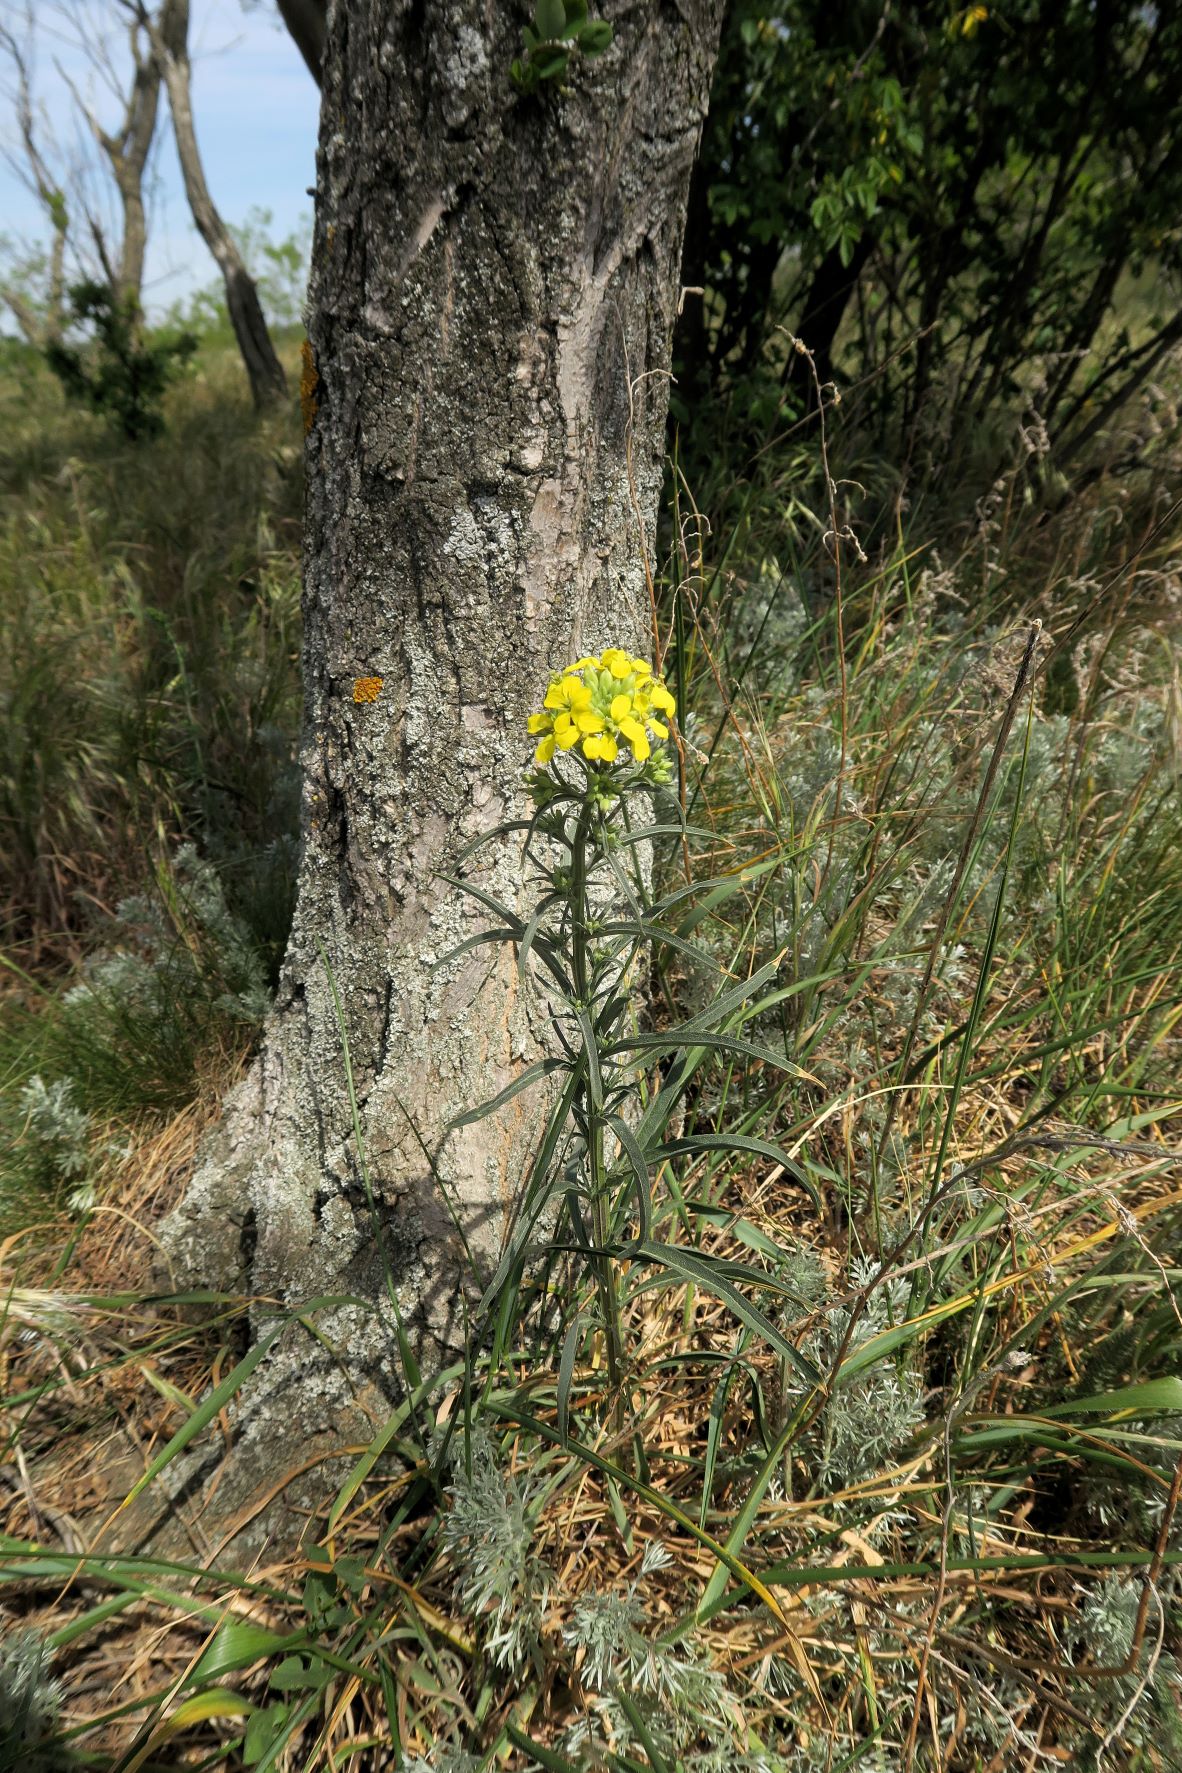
(591, 746)
(608, 749)
(555, 696)
(619, 665)
(538, 723)
(641, 747)
(567, 737)
(658, 727)
(545, 751)
(562, 722)
(632, 731)
(621, 706)
(580, 695)
(589, 721)
(662, 699)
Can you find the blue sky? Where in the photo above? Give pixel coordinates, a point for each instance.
(255, 106)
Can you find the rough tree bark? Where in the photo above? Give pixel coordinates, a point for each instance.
(495, 279)
(169, 33)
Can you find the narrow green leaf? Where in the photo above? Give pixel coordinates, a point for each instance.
(1157, 1397)
(716, 1277)
(676, 1040)
(205, 1413)
(717, 1011)
(727, 1142)
(531, 1075)
(566, 1368)
(545, 1757)
(236, 1645)
(639, 1168)
(713, 1439)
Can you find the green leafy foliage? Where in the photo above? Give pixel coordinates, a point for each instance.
(559, 28)
(948, 209)
(606, 1134)
(119, 370)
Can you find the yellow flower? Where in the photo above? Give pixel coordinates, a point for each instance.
(636, 737)
(601, 705)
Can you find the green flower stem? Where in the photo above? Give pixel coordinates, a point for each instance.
(584, 976)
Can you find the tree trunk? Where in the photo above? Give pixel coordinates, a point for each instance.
(494, 285)
(821, 313)
(170, 35)
(127, 153)
(307, 21)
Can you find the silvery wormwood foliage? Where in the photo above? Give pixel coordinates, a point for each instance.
(57, 1126)
(157, 951)
(30, 1699)
(489, 1535)
(61, 1135)
(869, 1417)
(445, 1760)
(1108, 1618)
(680, 1696)
(1146, 1699)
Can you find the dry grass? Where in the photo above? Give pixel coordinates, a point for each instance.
(871, 1577)
(988, 1267)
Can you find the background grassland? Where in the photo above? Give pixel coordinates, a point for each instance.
(149, 599)
(960, 1550)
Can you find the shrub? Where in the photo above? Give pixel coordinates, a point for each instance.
(118, 370)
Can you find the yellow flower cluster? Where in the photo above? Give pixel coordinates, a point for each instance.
(599, 703)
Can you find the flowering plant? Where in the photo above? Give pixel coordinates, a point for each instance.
(596, 703)
(602, 755)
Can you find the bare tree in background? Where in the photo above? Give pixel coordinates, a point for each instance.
(126, 150)
(168, 33)
(40, 321)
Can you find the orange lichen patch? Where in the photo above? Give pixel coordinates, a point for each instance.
(309, 382)
(366, 689)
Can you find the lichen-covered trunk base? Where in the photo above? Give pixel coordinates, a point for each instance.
(495, 278)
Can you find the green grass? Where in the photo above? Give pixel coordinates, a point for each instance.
(957, 1549)
(149, 698)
